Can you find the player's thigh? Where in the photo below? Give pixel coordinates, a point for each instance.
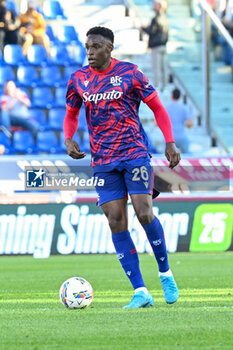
(139, 182)
(116, 213)
(112, 197)
(138, 177)
(142, 204)
(110, 186)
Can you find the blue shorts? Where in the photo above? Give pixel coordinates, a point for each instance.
(128, 176)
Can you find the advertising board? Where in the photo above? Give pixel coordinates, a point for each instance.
(81, 228)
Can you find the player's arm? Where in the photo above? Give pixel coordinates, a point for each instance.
(163, 121)
(70, 127)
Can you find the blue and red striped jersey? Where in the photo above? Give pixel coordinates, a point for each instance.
(112, 98)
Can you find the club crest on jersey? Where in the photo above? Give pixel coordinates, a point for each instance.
(116, 81)
(86, 82)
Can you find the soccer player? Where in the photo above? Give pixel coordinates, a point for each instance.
(111, 91)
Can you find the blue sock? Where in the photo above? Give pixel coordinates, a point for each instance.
(155, 235)
(128, 257)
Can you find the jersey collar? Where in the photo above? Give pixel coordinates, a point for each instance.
(113, 62)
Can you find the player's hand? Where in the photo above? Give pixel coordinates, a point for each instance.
(73, 149)
(172, 154)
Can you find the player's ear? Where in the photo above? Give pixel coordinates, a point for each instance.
(110, 47)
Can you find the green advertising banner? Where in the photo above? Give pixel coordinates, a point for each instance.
(197, 225)
(212, 227)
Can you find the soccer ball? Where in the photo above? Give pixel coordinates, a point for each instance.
(76, 293)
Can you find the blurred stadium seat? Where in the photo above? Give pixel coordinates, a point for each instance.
(52, 10)
(56, 117)
(28, 76)
(42, 97)
(27, 91)
(23, 142)
(13, 55)
(40, 116)
(37, 55)
(6, 73)
(79, 54)
(70, 70)
(47, 142)
(67, 35)
(51, 76)
(50, 33)
(60, 97)
(11, 5)
(4, 140)
(59, 55)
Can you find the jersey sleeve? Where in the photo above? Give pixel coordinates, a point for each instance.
(73, 99)
(142, 88)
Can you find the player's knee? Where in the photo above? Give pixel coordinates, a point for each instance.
(145, 218)
(117, 222)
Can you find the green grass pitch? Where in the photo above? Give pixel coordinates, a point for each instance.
(32, 316)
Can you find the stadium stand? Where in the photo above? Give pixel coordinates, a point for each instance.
(67, 23)
(42, 97)
(59, 100)
(59, 55)
(51, 76)
(67, 35)
(37, 55)
(51, 35)
(42, 77)
(27, 76)
(13, 55)
(23, 142)
(4, 140)
(69, 70)
(185, 64)
(40, 116)
(11, 5)
(53, 10)
(55, 118)
(6, 73)
(186, 71)
(47, 142)
(78, 55)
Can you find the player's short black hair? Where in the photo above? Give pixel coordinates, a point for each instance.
(105, 32)
(176, 94)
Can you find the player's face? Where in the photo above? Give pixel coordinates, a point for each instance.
(98, 51)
